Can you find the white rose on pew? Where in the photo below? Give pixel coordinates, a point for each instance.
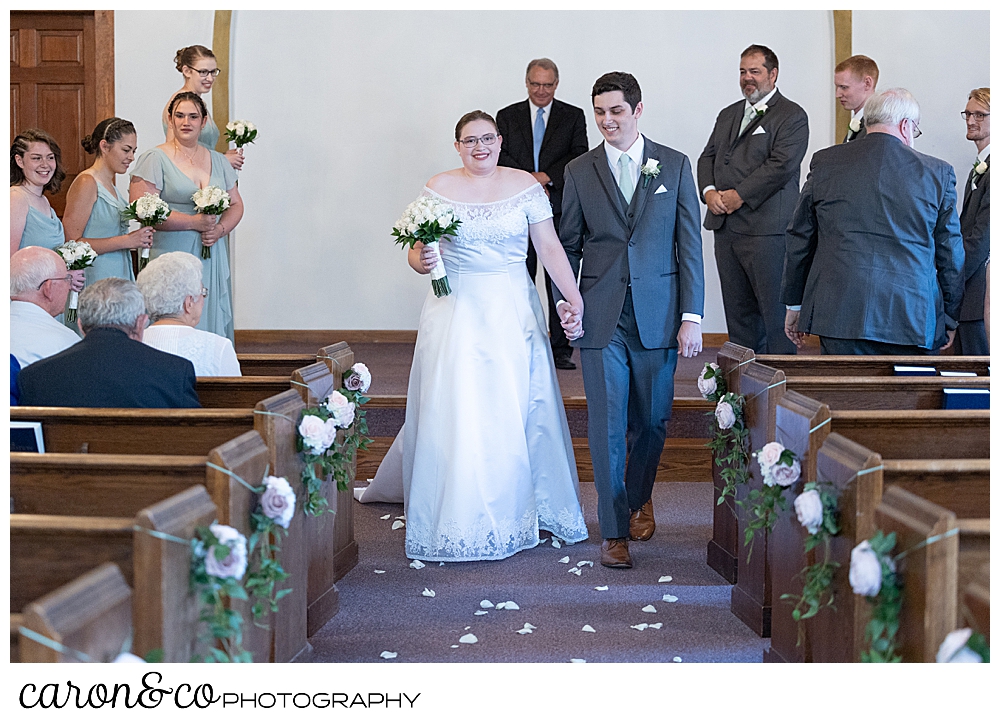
(235, 563)
(784, 475)
(341, 408)
(329, 433)
(725, 415)
(278, 501)
(809, 510)
(709, 386)
(314, 431)
(768, 455)
(866, 570)
(953, 648)
(360, 380)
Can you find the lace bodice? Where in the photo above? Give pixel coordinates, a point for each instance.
(498, 222)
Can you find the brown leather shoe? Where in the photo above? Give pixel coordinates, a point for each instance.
(614, 553)
(641, 524)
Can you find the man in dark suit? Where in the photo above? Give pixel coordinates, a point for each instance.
(854, 80)
(630, 215)
(975, 219)
(541, 135)
(875, 261)
(749, 178)
(111, 367)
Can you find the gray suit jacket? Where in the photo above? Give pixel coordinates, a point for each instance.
(654, 243)
(874, 249)
(975, 221)
(762, 167)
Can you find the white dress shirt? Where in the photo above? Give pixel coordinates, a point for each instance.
(211, 354)
(983, 154)
(35, 335)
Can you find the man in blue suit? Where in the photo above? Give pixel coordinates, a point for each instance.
(874, 262)
(630, 216)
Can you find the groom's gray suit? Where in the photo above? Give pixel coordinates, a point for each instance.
(642, 268)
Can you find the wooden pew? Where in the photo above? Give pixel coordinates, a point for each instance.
(799, 365)
(974, 610)
(918, 434)
(843, 392)
(273, 365)
(239, 392)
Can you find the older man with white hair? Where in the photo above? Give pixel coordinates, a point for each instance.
(39, 285)
(874, 262)
(111, 367)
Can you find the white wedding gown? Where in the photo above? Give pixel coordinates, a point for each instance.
(486, 455)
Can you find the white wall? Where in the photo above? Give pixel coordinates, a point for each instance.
(357, 109)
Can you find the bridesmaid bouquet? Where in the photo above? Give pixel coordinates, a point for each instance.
(210, 200)
(428, 220)
(77, 255)
(241, 132)
(150, 210)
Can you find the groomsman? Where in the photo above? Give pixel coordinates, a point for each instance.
(749, 179)
(630, 217)
(854, 80)
(875, 261)
(972, 337)
(541, 135)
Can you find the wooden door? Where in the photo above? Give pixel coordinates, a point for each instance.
(62, 80)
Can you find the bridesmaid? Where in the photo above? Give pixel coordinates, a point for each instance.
(176, 170)
(197, 64)
(94, 205)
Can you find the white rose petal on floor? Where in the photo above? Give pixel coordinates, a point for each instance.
(677, 659)
(640, 626)
(468, 639)
(386, 655)
(577, 660)
(656, 625)
(574, 570)
(385, 517)
(509, 605)
(380, 572)
(564, 560)
(587, 629)
(428, 592)
(523, 631)
(481, 612)
(454, 646)
(601, 588)
(665, 578)
(555, 543)
(669, 598)
(417, 565)
(485, 604)
(583, 563)
(649, 609)
(397, 524)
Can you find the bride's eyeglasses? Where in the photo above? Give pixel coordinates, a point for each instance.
(205, 73)
(488, 140)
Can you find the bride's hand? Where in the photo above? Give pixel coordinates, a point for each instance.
(428, 259)
(571, 319)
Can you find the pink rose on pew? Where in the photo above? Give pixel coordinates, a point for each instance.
(341, 409)
(278, 501)
(316, 433)
(809, 510)
(725, 415)
(866, 570)
(784, 475)
(708, 387)
(234, 564)
(954, 650)
(359, 379)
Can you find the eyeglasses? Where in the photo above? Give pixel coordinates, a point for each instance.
(206, 73)
(67, 277)
(916, 130)
(975, 114)
(488, 140)
(538, 86)
(204, 291)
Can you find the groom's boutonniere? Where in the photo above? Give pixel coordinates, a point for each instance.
(651, 169)
(855, 125)
(981, 167)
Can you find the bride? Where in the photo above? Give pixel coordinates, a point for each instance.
(486, 456)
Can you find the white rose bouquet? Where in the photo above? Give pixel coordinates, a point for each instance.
(241, 132)
(428, 220)
(150, 210)
(210, 200)
(77, 255)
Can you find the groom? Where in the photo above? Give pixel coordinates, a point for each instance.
(630, 212)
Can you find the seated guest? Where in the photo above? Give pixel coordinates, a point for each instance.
(15, 368)
(39, 285)
(111, 367)
(171, 285)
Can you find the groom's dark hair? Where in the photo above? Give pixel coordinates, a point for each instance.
(625, 82)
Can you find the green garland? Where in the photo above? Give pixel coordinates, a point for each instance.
(730, 448)
(268, 572)
(886, 605)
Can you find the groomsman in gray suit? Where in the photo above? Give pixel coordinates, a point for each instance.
(975, 218)
(630, 216)
(749, 179)
(875, 261)
(854, 80)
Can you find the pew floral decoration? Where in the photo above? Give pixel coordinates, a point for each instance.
(270, 522)
(816, 510)
(780, 469)
(873, 574)
(357, 380)
(218, 563)
(77, 255)
(729, 440)
(963, 646)
(711, 382)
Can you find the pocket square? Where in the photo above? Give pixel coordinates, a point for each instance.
(661, 189)
(758, 130)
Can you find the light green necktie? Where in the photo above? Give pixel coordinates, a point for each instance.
(625, 177)
(747, 117)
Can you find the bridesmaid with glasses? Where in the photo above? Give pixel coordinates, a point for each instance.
(197, 64)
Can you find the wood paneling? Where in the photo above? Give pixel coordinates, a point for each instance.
(60, 47)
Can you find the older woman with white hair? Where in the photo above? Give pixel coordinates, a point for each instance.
(175, 297)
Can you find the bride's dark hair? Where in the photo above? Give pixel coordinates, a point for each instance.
(474, 116)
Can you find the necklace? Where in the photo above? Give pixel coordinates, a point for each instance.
(190, 158)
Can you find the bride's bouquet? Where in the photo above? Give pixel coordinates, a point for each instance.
(240, 132)
(428, 220)
(150, 210)
(210, 200)
(77, 255)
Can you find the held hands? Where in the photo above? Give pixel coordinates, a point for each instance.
(571, 319)
(689, 339)
(792, 329)
(203, 222)
(731, 200)
(141, 238)
(209, 237)
(235, 158)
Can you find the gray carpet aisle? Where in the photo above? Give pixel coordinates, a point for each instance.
(388, 612)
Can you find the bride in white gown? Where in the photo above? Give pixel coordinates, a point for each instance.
(485, 458)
